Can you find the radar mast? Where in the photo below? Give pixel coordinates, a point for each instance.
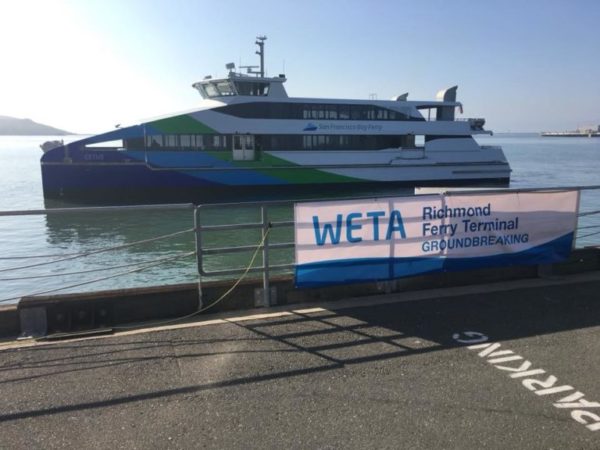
(260, 41)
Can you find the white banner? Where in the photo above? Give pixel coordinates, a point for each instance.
(377, 239)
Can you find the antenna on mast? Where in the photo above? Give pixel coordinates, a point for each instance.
(260, 41)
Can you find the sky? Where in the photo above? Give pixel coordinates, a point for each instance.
(88, 65)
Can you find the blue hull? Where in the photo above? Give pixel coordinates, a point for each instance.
(120, 177)
(136, 183)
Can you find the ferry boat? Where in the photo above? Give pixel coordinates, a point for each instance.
(247, 137)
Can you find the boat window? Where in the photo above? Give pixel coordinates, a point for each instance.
(186, 141)
(252, 88)
(171, 140)
(243, 88)
(313, 111)
(237, 142)
(200, 142)
(429, 113)
(211, 90)
(201, 90)
(154, 141)
(307, 142)
(134, 143)
(182, 142)
(225, 88)
(281, 110)
(321, 111)
(212, 142)
(344, 112)
(331, 142)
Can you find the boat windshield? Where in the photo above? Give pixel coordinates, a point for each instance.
(218, 89)
(225, 88)
(252, 88)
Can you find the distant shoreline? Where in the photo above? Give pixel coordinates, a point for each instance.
(12, 126)
(38, 134)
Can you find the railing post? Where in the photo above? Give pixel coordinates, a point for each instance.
(265, 256)
(198, 253)
(577, 218)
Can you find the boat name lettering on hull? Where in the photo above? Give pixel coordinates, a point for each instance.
(93, 157)
(349, 127)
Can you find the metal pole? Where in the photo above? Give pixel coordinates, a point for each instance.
(198, 253)
(265, 254)
(260, 41)
(262, 59)
(574, 245)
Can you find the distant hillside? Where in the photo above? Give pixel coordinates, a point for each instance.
(27, 127)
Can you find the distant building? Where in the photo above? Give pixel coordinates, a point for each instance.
(586, 129)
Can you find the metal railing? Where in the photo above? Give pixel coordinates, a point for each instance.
(52, 259)
(588, 228)
(224, 232)
(265, 224)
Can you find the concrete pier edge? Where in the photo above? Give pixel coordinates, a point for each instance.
(67, 313)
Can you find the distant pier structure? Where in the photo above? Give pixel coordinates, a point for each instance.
(587, 131)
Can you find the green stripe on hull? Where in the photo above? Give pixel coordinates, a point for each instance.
(285, 170)
(181, 125)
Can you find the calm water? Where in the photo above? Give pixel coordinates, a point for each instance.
(536, 162)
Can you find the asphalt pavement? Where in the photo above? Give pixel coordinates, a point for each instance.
(510, 365)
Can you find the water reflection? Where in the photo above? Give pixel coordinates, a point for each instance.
(88, 230)
(55, 238)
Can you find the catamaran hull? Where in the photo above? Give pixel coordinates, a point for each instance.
(126, 183)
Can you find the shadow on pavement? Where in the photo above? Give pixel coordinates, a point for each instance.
(331, 340)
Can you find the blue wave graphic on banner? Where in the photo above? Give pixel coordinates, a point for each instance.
(379, 269)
